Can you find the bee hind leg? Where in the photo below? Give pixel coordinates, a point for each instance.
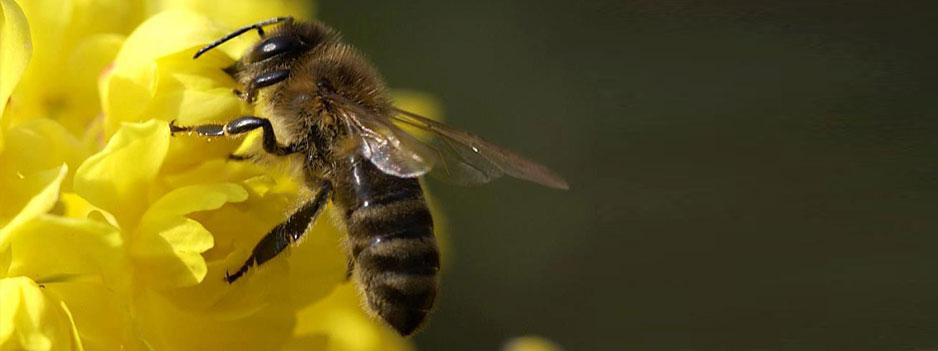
(284, 233)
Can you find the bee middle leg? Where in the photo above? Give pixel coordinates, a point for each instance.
(238, 126)
(284, 233)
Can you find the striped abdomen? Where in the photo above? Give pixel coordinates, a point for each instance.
(391, 243)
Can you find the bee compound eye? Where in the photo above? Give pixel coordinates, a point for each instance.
(274, 46)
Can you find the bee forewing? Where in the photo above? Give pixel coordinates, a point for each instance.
(390, 149)
(454, 155)
(469, 157)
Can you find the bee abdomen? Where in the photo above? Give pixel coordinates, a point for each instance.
(400, 287)
(396, 259)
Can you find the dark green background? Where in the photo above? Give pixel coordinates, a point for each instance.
(745, 175)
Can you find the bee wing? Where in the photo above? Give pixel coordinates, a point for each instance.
(389, 148)
(454, 155)
(468, 159)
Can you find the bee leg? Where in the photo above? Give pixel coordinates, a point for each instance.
(207, 130)
(262, 81)
(248, 123)
(284, 233)
(237, 157)
(238, 126)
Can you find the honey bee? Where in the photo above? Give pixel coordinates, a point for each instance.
(327, 107)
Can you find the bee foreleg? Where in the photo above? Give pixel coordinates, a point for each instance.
(249, 123)
(207, 130)
(262, 81)
(284, 233)
(238, 126)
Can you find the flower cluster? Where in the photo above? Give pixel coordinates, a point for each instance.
(115, 235)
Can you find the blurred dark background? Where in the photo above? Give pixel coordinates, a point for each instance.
(745, 175)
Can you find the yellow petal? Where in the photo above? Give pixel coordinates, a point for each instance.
(167, 247)
(188, 30)
(122, 99)
(164, 82)
(49, 247)
(213, 171)
(530, 343)
(30, 320)
(36, 93)
(43, 200)
(418, 102)
(340, 317)
(194, 91)
(51, 86)
(81, 99)
(236, 229)
(308, 342)
(242, 12)
(86, 17)
(167, 326)
(118, 178)
(314, 266)
(14, 48)
(101, 314)
(127, 91)
(41, 144)
(75, 206)
(317, 263)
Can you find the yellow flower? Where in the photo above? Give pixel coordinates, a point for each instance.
(530, 343)
(115, 235)
(335, 322)
(14, 49)
(36, 247)
(71, 43)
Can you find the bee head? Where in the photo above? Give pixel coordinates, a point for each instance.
(288, 40)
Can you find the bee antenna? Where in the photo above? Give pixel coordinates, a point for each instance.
(260, 31)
